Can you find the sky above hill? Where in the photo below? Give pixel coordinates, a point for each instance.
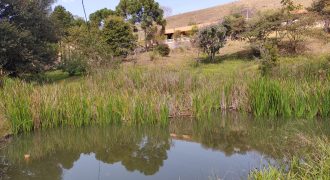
(177, 6)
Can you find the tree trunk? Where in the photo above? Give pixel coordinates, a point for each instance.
(327, 25)
(145, 40)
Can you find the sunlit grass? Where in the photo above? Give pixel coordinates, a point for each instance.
(152, 95)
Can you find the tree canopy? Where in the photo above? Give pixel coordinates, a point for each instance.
(145, 13)
(118, 34)
(27, 36)
(235, 25)
(97, 17)
(62, 20)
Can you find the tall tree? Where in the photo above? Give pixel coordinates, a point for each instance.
(145, 13)
(27, 35)
(62, 20)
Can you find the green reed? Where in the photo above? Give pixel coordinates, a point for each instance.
(136, 95)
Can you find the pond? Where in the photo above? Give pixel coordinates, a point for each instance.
(225, 147)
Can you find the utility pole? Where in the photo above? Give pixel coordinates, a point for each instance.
(83, 5)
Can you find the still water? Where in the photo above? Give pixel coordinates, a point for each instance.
(227, 147)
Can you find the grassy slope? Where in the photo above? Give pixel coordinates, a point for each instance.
(218, 12)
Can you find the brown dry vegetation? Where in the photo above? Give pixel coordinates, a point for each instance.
(217, 13)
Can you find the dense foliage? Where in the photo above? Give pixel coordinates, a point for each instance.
(62, 20)
(75, 64)
(118, 34)
(98, 17)
(163, 50)
(27, 36)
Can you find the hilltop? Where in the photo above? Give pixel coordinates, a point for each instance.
(216, 13)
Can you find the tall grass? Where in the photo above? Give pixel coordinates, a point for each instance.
(314, 166)
(153, 95)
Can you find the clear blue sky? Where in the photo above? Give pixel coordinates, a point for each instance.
(178, 6)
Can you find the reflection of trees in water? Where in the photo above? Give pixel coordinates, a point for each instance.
(138, 149)
(149, 156)
(235, 133)
(146, 154)
(145, 149)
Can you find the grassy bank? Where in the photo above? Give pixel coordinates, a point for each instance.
(314, 166)
(151, 95)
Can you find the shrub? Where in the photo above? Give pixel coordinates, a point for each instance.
(269, 55)
(119, 36)
(163, 50)
(74, 64)
(153, 55)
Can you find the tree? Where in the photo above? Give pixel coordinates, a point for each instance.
(99, 16)
(118, 34)
(266, 23)
(146, 13)
(27, 36)
(211, 39)
(296, 26)
(235, 25)
(89, 43)
(322, 7)
(62, 20)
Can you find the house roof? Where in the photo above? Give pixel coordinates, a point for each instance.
(188, 28)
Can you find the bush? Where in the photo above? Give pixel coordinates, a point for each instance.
(163, 50)
(269, 55)
(74, 64)
(153, 56)
(118, 34)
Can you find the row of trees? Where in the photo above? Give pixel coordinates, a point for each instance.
(34, 39)
(110, 34)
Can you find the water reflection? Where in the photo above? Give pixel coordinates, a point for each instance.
(228, 147)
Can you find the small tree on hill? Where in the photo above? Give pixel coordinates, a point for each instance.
(211, 39)
(235, 24)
